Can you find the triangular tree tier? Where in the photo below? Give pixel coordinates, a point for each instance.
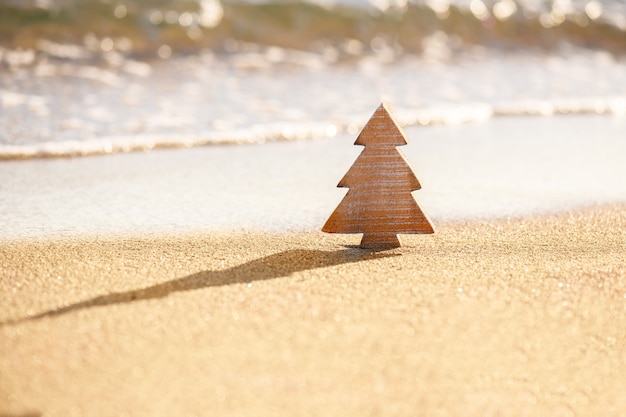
(379, 203)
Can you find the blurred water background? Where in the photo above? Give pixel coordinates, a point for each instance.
(81, 77)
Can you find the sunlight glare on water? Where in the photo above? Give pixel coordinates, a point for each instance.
(253, 72)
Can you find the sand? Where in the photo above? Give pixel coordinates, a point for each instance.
(517, 317)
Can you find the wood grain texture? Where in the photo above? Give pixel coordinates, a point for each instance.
(379, 202)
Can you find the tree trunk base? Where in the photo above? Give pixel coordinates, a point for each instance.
(380, 241)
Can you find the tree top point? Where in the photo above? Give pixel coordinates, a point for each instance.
(382, 129)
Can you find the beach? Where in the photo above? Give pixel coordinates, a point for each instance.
(166, 168)
(519, 315)
(197, 282)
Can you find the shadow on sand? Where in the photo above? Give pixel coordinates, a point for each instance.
(278, 265)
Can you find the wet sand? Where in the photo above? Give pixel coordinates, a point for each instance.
(521, 316)
(506, 167)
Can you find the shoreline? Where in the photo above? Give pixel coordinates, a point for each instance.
(187, 235)
(480, 318)
(499, 169)
(465, 115)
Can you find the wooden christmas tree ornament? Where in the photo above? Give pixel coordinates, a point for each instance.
(379, 203)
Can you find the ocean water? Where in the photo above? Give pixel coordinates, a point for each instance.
(82, 77)
(499, 169)
(511, 108)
